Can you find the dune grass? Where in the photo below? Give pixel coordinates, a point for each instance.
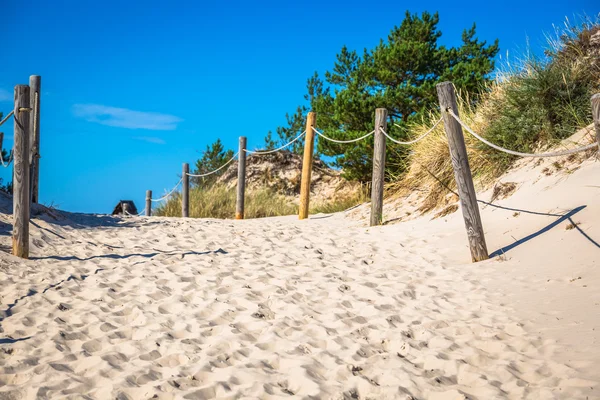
(218, 201)
(530, 107)
(343, 201)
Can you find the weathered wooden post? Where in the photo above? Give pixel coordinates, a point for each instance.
(148, 203)
(378, 167)
(596, 116)
(35, 84)
(307, 161)
(241, 183)
(185, 191)
(125, 207)
(462, 172)
(21, 199)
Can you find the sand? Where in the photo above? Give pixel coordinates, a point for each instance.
(325, 308)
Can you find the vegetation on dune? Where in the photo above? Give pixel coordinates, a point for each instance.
(343, 202)
(429, 165)
(400, 75)
(218, 201)
(531, 106)
(212, 158)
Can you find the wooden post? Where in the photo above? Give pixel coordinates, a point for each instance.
(462, 173)
(378, 167)
(125, 207)
(596, 116)
(241, 185)
(148, 203)
(185, 192)
(35, 84)
(21, 199)
(309, 146)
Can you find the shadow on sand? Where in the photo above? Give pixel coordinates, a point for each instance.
(125, 256)
(5, 229)
(10, 340)
(561, 218)
(32, 292)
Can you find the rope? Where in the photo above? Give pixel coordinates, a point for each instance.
(10, 114)
(216, 170)
(6, 163)
(516, 153)
(343, 141)
(411, 141)
(277, 149)
(34, 147)
(483, 201)
(168, 194)
(134, 215)
(21, 127)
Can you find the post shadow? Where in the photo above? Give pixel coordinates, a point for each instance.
(527, 238)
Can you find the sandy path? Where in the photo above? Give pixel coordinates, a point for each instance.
(272, 308)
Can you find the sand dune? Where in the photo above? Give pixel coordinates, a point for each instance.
(165, 308)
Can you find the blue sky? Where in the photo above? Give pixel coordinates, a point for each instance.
(131, 90)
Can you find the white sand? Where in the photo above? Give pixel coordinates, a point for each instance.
(326, 308)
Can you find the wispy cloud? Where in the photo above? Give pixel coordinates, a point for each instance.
(150, 139)
(5, 95)
(125, 118)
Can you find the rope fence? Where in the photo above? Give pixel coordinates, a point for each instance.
(216, 170)
(423, 136)
(133, 215)
(343, 141)
(453, 127)
(6, 163)
(3, 162)
(260, 153)
(25, 160)
(10, 114)
(517, 153)
(170, 193)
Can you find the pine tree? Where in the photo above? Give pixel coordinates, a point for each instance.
(212, 158)
(399, 74)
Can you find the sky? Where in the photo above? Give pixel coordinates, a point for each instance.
(131, 90)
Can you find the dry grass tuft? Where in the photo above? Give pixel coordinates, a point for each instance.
(218, 201)
(572, 226)
(452, 208)
(343, 201)
(430, 166)
(532, 105)
(503, 190)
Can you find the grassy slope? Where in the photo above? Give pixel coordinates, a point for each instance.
(530, 107)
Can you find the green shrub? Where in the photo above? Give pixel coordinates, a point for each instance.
(538, 106)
